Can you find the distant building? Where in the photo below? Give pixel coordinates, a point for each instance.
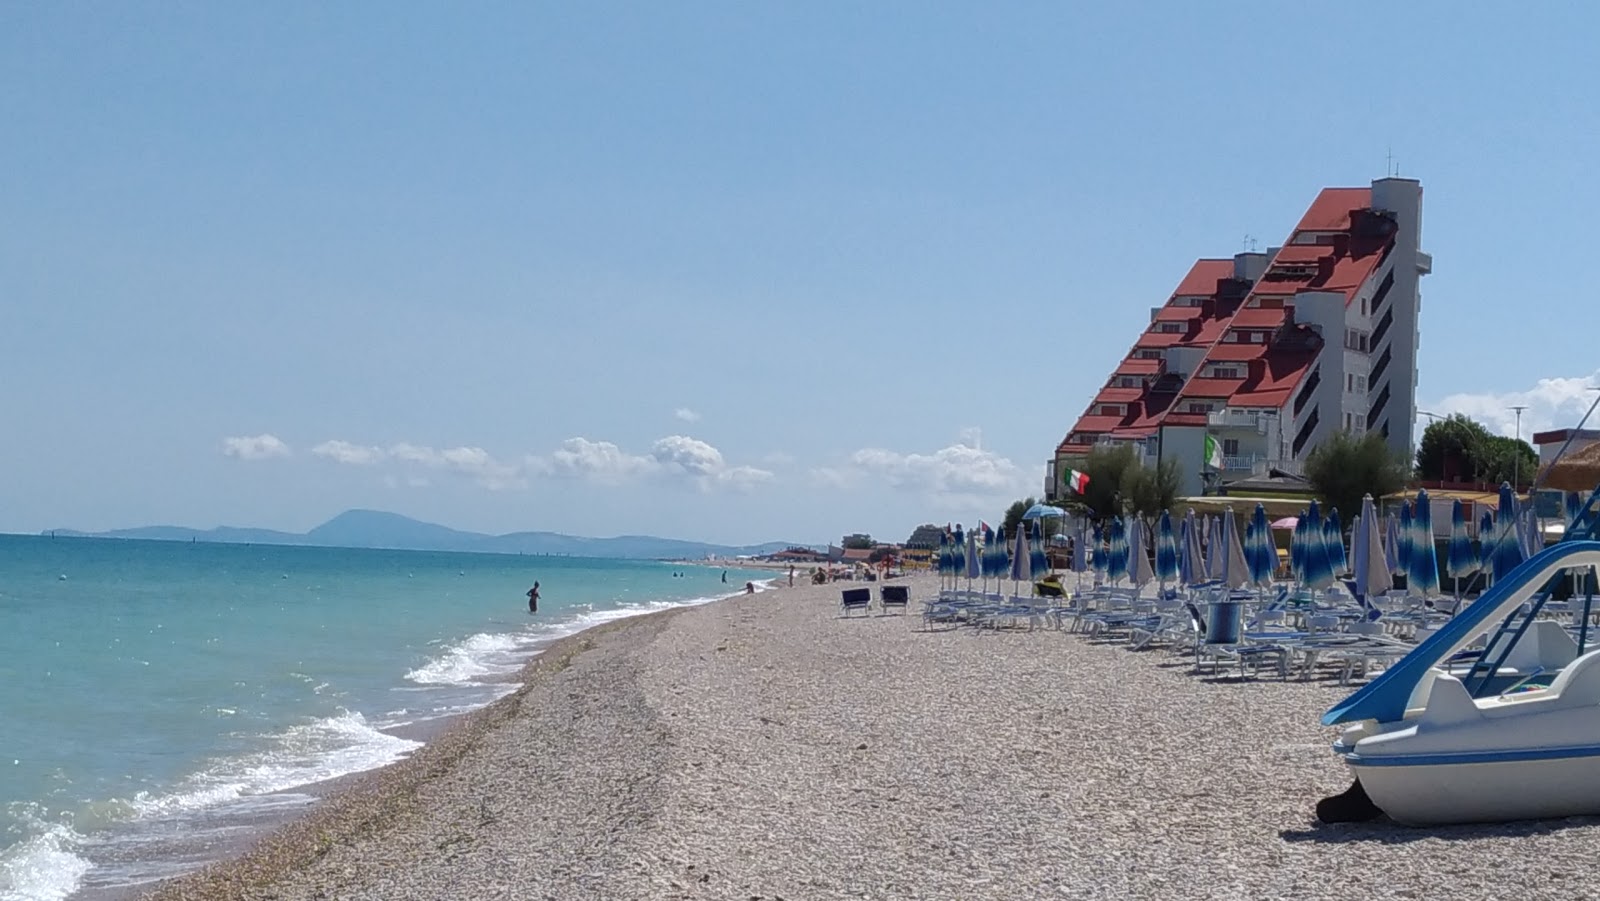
(1269, 353)
(799, 555)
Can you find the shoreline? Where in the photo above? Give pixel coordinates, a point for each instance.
(357, 803)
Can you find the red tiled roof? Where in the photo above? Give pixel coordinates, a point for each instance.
(1202, 278)
(1097, 423)
(1260, 318)
(1138, 367)
(1159, 339)
(1118, 395)
(1234, 352)
(1331, 210)
(1210, 387)
(1177, 314)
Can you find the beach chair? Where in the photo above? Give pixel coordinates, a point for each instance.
(855, 599)
(894, 596)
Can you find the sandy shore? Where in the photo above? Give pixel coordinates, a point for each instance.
(762, 748)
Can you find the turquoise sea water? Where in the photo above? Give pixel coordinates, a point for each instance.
(157, 698)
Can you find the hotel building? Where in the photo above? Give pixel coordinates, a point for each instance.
(1270, 353)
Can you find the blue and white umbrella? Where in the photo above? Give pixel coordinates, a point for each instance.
(1507, 542)
(1422, 571)
(1038, 560)
(1042, 511)
(1405, 540)
(1370, 566)
(1262, 552)
(1461, 561)
(943, 558)
(1117, 558)
(1486, 545)
(1021, 559)
(1188, 569)
(1333, 541)
(1319, 570)
(1166, 551)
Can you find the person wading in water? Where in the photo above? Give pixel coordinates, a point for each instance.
(533, 598)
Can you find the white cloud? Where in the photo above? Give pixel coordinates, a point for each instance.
(601, 461)
(675, 456)
(778, 458)
(1552, 403)
(686, 414)
(352, 454)
(689, 455)
(960, 472)
(254, 447)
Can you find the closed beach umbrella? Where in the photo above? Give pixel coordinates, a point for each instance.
(1371, 568)
(1461, 561)
(1319, 571)
(971, 567)
(1264, 555)
(1333, 540)
(1486, 545)
(1166, 550)
(1021, 559)
(1406, 539)
(1117, 555)
(1080, 549)
(943, 559)
(996, 560)
(1039, 560)
(1234, 571)
(1507, 543)
(1187, 568)
(1391, 543)
(1137, 546)
(1422, 574)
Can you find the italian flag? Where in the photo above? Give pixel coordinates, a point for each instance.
(1214, 453)
(1077, 481)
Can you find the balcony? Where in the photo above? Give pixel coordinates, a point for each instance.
(1259, 423)
(1260, 465)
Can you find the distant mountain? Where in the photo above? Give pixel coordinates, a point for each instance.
(378, 529)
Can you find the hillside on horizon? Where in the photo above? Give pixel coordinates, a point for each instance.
(392, 531)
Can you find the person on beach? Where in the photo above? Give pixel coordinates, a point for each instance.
(533, 598)
(724, 577)
(749, 588)
(791, 575)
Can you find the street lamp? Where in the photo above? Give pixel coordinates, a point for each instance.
(1431, 416)
(1516, 458)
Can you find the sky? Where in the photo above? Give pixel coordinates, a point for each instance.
(721, 271)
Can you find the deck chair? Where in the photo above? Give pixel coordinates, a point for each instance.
(855, 599)
(894, 596)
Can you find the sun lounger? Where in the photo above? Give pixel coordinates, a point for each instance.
(894, 596)
(855, 599)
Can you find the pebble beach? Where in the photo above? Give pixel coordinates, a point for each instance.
(763, 747)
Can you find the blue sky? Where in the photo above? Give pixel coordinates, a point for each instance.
(713, 270)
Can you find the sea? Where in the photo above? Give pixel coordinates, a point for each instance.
(162, 702)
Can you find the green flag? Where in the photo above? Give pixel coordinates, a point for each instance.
(1214, 453)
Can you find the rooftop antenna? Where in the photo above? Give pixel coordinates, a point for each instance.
(1249, 243)
(1388, 163)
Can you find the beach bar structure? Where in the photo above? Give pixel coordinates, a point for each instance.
(1266, 354)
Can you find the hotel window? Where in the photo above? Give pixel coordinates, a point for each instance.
(1258, 337)
(1230, 447)
(1169, 328)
